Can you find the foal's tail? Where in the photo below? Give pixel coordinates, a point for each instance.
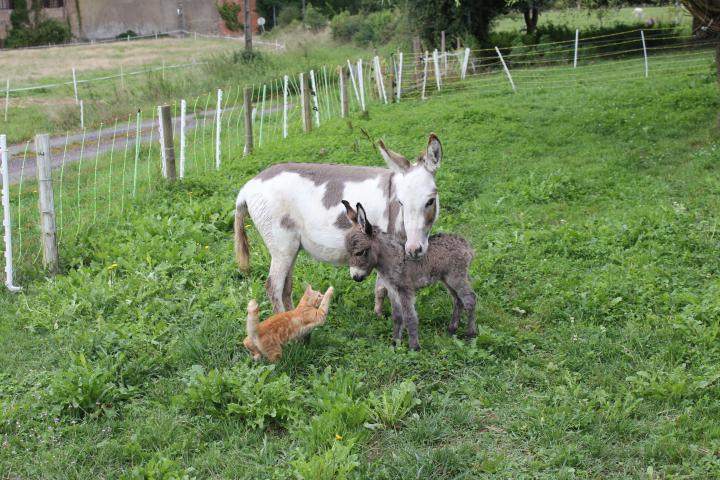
(242, 251)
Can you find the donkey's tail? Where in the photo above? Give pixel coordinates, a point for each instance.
(242, 251)
(252, 323)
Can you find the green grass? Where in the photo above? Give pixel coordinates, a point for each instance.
(593, 208)
(594, 18)
(53, 110)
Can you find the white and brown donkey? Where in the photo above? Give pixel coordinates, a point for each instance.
(298, 205)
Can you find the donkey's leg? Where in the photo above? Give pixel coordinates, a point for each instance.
(457, 310)
(397, 316)
(281, 265)
(407, 300)
(287, 288)
(380, 294)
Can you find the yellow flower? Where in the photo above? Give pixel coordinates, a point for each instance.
(338, 436)
(112, 267)
(207, 246)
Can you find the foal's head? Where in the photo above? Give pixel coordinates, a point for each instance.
(416, 193)
(360, 242)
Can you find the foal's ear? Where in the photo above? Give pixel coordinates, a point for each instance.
(350, 212)
(395, 161)
(433, 154)
(363, 221)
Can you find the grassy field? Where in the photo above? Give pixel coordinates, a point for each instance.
(593, 209)
(593, 18)
(220, 65)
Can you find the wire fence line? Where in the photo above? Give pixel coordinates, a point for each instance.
(99, 173)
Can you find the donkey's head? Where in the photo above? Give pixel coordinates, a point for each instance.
(416, 193)
(360, 243)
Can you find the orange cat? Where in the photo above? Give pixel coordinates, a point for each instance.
(268, 337)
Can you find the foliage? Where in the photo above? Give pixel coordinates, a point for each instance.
(288, 14)
(430, 17)
(314, 19)
(392, 406)
(230, 14)
(252, 394)
(88, 388)
(159, 468)
(38, 31)
(376, 28)
(337, 463)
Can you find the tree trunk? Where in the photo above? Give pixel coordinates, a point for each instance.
(248, 27)
(531, 19)
(717, 59)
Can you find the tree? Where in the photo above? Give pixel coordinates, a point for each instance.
(456, 17)
(531, 11)
(707, 15)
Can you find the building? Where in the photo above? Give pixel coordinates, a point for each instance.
(103, 19)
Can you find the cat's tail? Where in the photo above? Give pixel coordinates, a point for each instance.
(253, 318)
(242, 251)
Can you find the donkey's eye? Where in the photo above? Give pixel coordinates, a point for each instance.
(430, 203)
(361, 253)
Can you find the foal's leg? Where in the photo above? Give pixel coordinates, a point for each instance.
(463, 290)
(380, 294)
(280, 268)
(457, 310)
(407, 301)
(397, 316)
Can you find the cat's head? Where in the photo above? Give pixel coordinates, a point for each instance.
(311, 297)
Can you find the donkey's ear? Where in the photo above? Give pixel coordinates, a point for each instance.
(350, 212)
(363, 221)
(433, 154)
(395, 161)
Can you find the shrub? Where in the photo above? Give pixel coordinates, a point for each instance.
(230, 14)
(344, 26)
(251, 393)
(44, 32)
(314, 19)
(126, 34)
(376, 28)
(289, 14)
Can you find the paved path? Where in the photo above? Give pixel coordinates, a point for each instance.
(74, 141)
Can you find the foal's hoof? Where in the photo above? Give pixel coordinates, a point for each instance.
(378, 312)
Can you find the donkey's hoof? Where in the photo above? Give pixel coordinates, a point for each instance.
(378, 312)
(451, 331)
(471, 334)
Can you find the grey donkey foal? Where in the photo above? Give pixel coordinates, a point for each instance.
(447, 260)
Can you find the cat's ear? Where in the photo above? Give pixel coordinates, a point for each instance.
(308, 289)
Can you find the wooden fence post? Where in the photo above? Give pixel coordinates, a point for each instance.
(343, 93)
(46, 204)
(167, 142)
(418, 62)
(305, 92)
